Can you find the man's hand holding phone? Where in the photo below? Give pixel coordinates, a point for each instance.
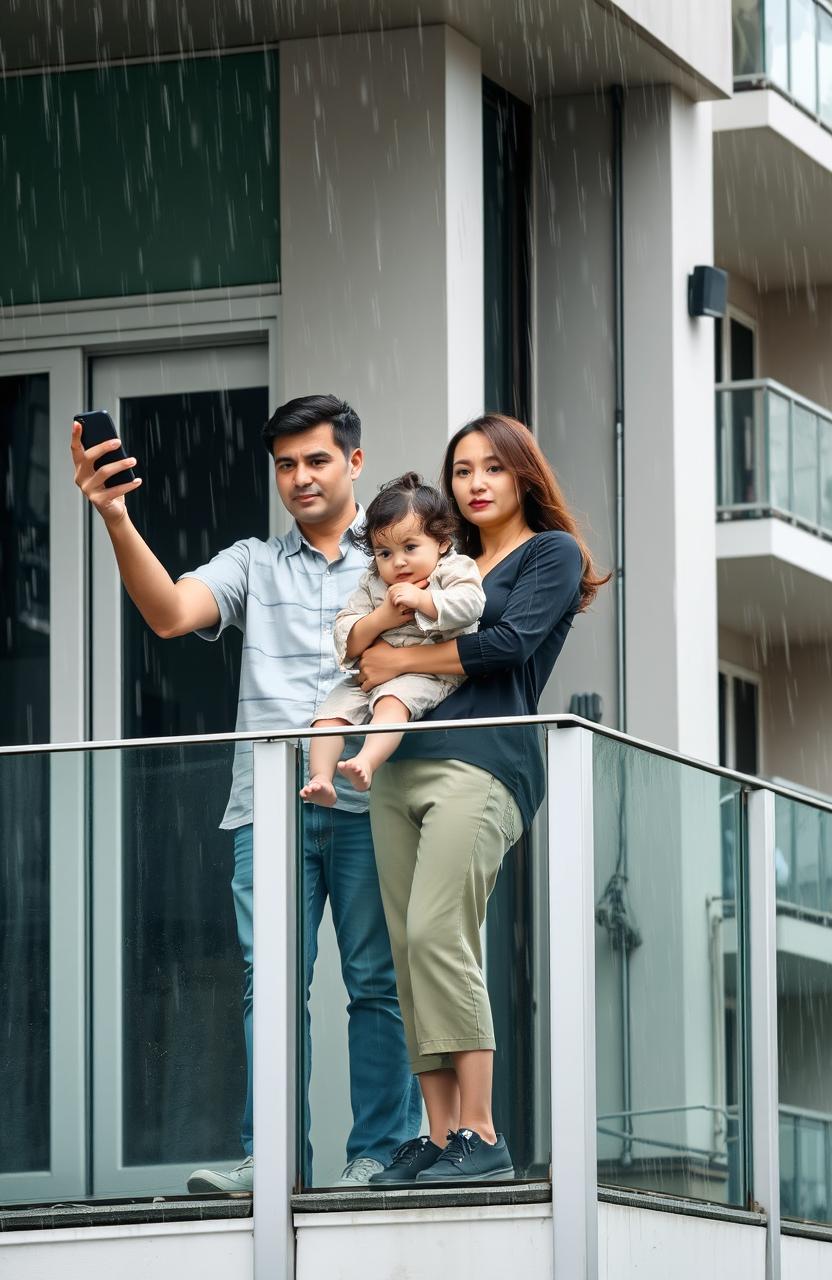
(100, 484)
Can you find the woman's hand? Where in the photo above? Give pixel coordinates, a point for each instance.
(379, 663)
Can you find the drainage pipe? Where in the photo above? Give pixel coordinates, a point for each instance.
(618, 347)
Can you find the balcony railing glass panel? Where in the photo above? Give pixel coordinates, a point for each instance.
(775, 459)
(121, 974)
(352, 1101)
(825, 66)
(26, 999)
(803, 866)
(669, 863)
(774, 455)
(803, 69)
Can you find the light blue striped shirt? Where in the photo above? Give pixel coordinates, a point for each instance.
(283, 595)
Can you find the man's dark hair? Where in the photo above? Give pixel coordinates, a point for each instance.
(306, 412)
(408, 495)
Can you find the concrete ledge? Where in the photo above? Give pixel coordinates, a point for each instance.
(659, 1202)
(808, 1230)
(340, 1201)
(123, 1212)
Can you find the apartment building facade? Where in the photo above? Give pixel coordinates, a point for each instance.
(431, 211)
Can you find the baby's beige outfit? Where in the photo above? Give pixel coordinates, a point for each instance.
(456, 587)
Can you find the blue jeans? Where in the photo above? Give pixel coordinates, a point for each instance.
(338, 861)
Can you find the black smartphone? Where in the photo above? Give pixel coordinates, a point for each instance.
(97, 427)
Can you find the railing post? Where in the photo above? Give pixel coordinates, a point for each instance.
(572, 1004)
(762, 969)
(274, 805)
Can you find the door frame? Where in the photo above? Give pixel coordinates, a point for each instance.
(734, 671)
(748, 321)
(67, 1172)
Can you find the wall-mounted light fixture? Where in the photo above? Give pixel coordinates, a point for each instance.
(707, 291)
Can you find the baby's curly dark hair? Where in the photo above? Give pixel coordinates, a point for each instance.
(405, 496)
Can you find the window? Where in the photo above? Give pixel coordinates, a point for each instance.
(739, 719)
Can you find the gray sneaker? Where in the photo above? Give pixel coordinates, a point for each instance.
(359, 1172)
(236, 1182)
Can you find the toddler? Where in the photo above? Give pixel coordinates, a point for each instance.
(418, 590)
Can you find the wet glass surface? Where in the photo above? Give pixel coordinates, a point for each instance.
(803, 871)
(668, 853)
(514, 943)
(25, 1103)
(25, 1001)
(24, 558)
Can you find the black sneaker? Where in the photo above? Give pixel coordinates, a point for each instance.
(408, 1161)
(468, 1158)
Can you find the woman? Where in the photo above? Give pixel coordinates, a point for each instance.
(448, 805)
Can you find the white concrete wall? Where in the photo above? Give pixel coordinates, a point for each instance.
(382, 235)
(497, 1242)
(490, 1243)
(209, 1250)
(669, 426)
(698, 34)
(573, 361)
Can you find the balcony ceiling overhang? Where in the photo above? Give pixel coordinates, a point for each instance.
(774, 580)
(772, 192)
(535, 50)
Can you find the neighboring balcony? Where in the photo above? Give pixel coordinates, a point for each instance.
(773, 146)
(774, 507)
(786, 45)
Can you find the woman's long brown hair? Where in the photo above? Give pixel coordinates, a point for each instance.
(544, 505)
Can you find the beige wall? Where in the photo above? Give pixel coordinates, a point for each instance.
(796, 706)
(794, 336)
(797, 716)
(796, 342)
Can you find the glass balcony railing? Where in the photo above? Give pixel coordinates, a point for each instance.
(773, 454)
(667, 918)
(803, 860)
(803, 870)
(617, 953)
(786, 44)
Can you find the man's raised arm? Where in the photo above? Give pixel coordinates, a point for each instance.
(169, 608)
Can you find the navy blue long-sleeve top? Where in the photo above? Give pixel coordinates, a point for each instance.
(531, 597)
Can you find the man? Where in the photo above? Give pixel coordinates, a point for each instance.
(283, 594)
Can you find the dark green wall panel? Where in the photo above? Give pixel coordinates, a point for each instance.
(139, 179)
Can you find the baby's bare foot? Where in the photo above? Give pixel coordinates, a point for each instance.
(319, 790)
(357, 772)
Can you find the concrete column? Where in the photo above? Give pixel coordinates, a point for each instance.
(669, 425)
(574, 372)
(382, 235)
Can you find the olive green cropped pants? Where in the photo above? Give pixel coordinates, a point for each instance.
(440, 829)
